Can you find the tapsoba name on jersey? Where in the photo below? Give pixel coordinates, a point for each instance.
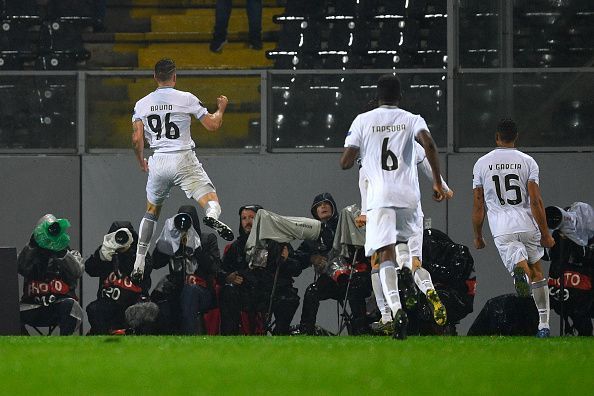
(388, 128)
(505, 166)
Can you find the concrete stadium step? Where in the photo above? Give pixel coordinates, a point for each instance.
(198, 56)
(202, 20)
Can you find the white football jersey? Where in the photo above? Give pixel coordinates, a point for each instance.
(166, 115)
(504, 174)
(385, 137)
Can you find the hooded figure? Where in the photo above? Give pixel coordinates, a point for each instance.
(323, 245)
(51, 271)
(316, 253)
(187, 292)
(251, 289)
(113, 263)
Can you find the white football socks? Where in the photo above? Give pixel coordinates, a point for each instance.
(145, 233)
(423, 280)
(389, 280)
(403, 257)
(381, 302)
(540, 293)
(212, 209)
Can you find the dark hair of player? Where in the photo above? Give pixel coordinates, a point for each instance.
(388, 89)
(507, 130)
(164, 70)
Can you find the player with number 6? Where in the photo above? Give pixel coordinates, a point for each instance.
(384, 137)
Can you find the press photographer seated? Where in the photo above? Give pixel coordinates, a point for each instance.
(258, 291)
(51, 271)
(572, 256)
(193, 257)
(113, 262)
(329, 284)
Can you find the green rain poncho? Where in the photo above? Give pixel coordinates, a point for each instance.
(50, 233)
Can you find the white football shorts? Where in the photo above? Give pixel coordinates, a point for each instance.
(514, 248)
(386, 226)
(178, 168)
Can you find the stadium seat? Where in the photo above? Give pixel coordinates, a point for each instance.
(16, 45)
(26, 11)
(75, 11)
(60, 46)
(313, 8)
(11, 60)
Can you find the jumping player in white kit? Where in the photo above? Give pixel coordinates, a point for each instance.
(163, 117)
(506, 181)
(384, 138)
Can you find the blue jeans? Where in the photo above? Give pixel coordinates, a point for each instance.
(223, 12)
(194, 301)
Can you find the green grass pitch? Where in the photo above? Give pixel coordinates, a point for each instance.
(296, 366)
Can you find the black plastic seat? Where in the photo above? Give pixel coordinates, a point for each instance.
(76, 11)
(26, 11)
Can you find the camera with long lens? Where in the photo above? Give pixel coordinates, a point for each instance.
(54, 229)
(182, 221)
(575, 222)
(121, 237)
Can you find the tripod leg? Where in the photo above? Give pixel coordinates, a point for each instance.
(267, 323)
(346, 295)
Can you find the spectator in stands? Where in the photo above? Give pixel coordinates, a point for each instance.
(315, 253)
(222, 14)
(51, 271)
(112, 263)
(255, 290)
(187, 292)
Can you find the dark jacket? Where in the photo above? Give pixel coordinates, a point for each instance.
(323, 244)
(114, 275)
(207, 256)
(48, 275)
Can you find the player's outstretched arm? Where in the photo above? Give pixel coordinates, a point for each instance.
(538, 212)
(349, 155)
(138, 144)
(428, 144)
(213, 121)
(478, 217)
(426, 170)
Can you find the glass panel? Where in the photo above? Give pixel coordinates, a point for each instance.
(553, 33)
(551, 109)
(317, 110)
(38, 112)
(479, 36)
(110, 103)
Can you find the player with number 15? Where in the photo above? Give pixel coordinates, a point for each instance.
(506, 181)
